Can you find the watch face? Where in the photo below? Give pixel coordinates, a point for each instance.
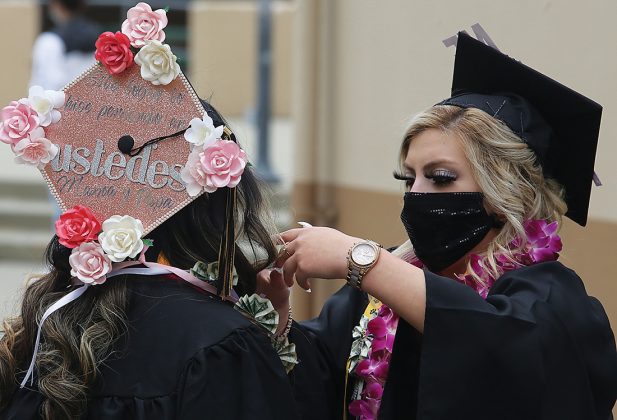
(363, 254)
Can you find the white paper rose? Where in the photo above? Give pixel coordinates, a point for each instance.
(46, 103)
(202, 132)
(121, 237)
(158, 64)
(89, 263)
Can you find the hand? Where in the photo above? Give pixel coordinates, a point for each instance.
(271, 284)
(314, 252)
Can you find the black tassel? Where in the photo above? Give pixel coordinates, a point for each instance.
(228, 246)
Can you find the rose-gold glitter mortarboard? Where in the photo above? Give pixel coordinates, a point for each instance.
(91, 171)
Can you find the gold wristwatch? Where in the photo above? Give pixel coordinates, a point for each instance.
(361, 258)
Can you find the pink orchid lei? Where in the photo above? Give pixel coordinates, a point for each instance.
(372, 348)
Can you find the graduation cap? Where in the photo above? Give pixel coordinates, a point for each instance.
(560, 125)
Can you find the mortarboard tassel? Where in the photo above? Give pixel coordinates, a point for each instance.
(228, 247)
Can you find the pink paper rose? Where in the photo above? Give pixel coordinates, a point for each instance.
(35, 150)
(218, 165)
(143, 25)
(76, 226)
(17, 120)
(89, 263)
(114, 52)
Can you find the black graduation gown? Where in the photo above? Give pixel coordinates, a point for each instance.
(187, 355)
(537, 348)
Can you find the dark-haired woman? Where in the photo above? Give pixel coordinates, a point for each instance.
(151, 347)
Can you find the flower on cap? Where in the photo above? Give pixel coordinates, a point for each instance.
(121, 237)
(46, 104)
(114, 52)
(143, 25)
(35, 150)
(202, 131)
(76, 226)
(89, 263)
(158, 64)
(216, 166)
(17, 121)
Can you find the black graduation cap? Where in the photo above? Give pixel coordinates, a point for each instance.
(560, 125)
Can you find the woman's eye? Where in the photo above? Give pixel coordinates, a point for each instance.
(442, 177)
(409, 180)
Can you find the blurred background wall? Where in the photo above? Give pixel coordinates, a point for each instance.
(347, 75)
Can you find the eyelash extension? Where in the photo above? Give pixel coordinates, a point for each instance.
(402, 177)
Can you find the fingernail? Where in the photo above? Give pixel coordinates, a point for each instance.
(305, 224)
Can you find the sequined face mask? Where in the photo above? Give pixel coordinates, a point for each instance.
(443, 227)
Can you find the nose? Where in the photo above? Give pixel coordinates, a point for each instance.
(421, 185)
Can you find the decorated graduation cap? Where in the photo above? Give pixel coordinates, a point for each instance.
(123, 148)
(560, 125)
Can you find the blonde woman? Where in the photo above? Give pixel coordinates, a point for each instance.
(473, 318)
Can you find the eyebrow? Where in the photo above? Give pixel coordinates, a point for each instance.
(432, 163)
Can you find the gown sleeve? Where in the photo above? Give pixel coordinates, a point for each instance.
(323, 346)
(537, 348)
(240, 377)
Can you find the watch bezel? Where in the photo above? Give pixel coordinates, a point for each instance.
(375, 256)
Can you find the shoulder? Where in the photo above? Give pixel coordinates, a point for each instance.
(544, 279)
(552, 288)
(168, 324)
(167, 309)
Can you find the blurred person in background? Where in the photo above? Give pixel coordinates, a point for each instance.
(62, 54)
(473, 317)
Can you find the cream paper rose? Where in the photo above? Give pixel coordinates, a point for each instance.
(121, 237)
(158, 64)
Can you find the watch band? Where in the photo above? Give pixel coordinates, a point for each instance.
(354, 277)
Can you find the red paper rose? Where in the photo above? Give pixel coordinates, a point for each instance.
(77, 225)
(114, 52)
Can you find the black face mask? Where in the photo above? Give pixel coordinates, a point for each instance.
(443, 227)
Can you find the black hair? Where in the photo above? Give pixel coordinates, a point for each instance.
(194, 233)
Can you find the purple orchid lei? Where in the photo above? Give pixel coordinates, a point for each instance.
(374, 337)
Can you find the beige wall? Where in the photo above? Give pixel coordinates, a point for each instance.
(387, 62)
(19, 25)
(223, 49)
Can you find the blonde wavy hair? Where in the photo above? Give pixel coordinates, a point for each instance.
(504, 167)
